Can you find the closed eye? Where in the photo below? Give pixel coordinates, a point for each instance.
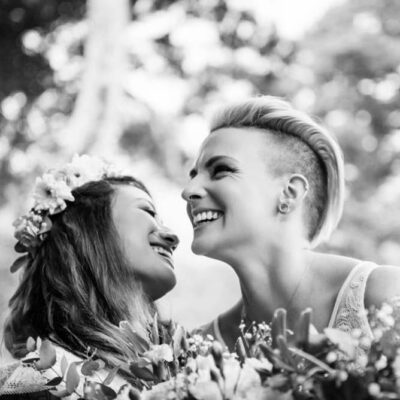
(221, 170)
(150, 211)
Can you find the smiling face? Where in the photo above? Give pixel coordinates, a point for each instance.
(147, 244)
(232, 197)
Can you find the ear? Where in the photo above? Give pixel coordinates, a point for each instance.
(294, 191)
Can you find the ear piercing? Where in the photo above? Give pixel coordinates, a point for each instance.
(283, 207)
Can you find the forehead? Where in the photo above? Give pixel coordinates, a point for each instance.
(239, 143)
(128, 194)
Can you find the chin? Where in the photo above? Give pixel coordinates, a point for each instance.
(165, 287)
(201, 247)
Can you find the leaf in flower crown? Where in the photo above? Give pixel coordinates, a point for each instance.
(89, 367)
(111, 375)
(98, 391)
(47, 354)
(72, 379)
(63, 365)
(59, 393)
(19, 263)
(31, 344)
(20, 248)
(55, 381)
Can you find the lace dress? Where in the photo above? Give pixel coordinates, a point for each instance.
(348, 313)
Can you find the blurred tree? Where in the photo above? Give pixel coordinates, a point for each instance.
(182, 56)
(354, 56)
(95, 123)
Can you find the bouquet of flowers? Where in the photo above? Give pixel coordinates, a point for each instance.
(270, 363)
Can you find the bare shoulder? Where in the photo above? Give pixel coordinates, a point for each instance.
(383, 284)
(332, 268)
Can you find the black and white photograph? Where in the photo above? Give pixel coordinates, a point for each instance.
(200, 200)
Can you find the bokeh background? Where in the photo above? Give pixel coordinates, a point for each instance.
(134, 81)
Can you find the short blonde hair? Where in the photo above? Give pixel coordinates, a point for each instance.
(289, 128)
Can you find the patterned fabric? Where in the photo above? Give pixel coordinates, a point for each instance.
(349, 312)
(19, 378)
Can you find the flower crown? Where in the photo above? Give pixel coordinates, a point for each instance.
(50, 195)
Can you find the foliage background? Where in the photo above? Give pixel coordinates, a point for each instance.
(177, 59)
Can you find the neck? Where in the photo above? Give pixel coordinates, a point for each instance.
(277, 283)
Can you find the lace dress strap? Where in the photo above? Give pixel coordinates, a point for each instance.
(349, 311)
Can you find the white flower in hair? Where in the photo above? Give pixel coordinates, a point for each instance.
(84, 169)
(50, 193)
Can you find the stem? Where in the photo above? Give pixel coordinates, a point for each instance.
(312, 359)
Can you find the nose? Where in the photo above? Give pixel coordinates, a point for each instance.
(169, 237)
(193, 190)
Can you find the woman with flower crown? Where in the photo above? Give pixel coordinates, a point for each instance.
(95, 254)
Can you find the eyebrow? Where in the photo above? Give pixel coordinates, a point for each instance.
(209, 163)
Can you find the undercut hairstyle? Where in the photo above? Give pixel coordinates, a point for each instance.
(79, 285)
(303, 147)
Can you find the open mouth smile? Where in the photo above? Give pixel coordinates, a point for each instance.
(164, 253)
(205, 217)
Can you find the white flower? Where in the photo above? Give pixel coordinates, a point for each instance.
(160, 352)
(259, 364)
(50, 193)
(381, 363)
(84, 169)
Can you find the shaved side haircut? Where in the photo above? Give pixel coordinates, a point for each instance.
(300, 145)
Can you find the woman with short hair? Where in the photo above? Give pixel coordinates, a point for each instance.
(266, 188)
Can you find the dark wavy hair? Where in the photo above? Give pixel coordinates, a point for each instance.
(79, 285)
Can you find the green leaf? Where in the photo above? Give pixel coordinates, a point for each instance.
(72, 379)
(240, 350)
(19, 263)
(59, 393)
(89, 367)
(111, 375)
(302, 332)
(143, 362)
(30, 360)
(47, 355)
(98, 391)
(31, 344)
(107, 392)
(154, 330)
(141, 372)
(278, 326)
(64, 365)
(284, 351)
(177, 340)
(55, 381)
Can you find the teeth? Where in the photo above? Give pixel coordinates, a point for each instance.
(162, 251)
(206, 216)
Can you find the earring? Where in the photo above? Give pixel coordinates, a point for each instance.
(283, 207)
